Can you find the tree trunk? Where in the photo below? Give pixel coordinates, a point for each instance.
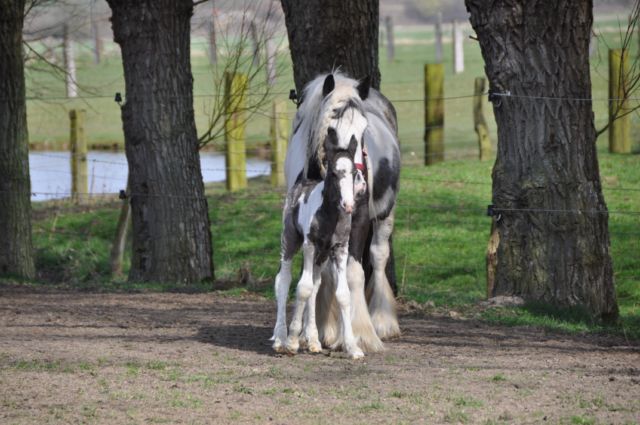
(546, 173)
(171, 233)
(333, 34)
(16, 250)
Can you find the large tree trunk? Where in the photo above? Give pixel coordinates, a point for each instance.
(171, 233)
(333, 34)
(16, 251)
(546, 175)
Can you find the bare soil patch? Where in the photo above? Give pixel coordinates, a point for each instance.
(69, 357)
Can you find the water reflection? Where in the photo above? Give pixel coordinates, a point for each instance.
(51, 172)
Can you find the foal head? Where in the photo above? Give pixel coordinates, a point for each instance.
(343, 181)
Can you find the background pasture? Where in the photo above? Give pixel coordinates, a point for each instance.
(441, 230)
(80, 346)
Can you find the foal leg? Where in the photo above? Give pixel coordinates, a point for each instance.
(339, 265)
(303, 292)
(311, 328)
(382, 303)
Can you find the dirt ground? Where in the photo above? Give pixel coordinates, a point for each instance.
(69, 357)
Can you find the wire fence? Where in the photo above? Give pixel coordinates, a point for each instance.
(436, 239)
(427, 234)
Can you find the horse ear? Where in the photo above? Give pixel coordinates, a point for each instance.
(353, 147)
(363, 87)
(329, 85)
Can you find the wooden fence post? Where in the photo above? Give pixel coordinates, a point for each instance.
(438, 36)
(433, 113)
(78, 146)
(234, 103)
(279, 139)
(213, 45)
(119, 242)
(619, 125)
(255, 41)
(391, 53)
(95, 34)
(69, 64)
(491, 257)
(458, 49)
(479, 123)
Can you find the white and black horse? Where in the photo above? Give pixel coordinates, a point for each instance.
(355, 112)
(317, 215)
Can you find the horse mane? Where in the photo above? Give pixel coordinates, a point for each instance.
(319, 112)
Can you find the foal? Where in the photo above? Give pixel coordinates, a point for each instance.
(317, 215)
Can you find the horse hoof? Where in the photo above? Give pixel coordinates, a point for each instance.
(356, 355)
(292, 346)
(278, 347)
(315, 347)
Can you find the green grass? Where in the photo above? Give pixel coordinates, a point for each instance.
(441, 227)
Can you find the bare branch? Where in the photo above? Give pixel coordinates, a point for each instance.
(239, 41)
(630, 80)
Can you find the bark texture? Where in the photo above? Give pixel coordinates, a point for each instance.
(16, 250)
(546, 154)
(333, 34)
(171, 233)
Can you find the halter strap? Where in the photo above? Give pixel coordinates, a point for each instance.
(359, 166)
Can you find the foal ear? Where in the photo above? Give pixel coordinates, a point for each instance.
(363, 87)
(329, 85)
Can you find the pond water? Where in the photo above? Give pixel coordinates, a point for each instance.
(51, 172)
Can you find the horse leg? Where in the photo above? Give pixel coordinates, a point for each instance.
(303, 292)
(311, 328)
(363, 329)
(290, 242)
(361, 323)
(382, 303)
(328, 314)
(339, 265)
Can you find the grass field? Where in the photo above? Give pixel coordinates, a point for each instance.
(441, 229)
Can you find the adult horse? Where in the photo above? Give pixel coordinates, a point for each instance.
(354, 110)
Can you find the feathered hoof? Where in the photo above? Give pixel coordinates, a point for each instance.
(314, 347)
(366, 335)
(292, 346)
(355, 353)
(329, 336)
(358, 355)
(386, 326)
(279, 347)
(370, 344)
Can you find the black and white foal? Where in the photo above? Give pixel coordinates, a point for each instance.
(317, 215)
